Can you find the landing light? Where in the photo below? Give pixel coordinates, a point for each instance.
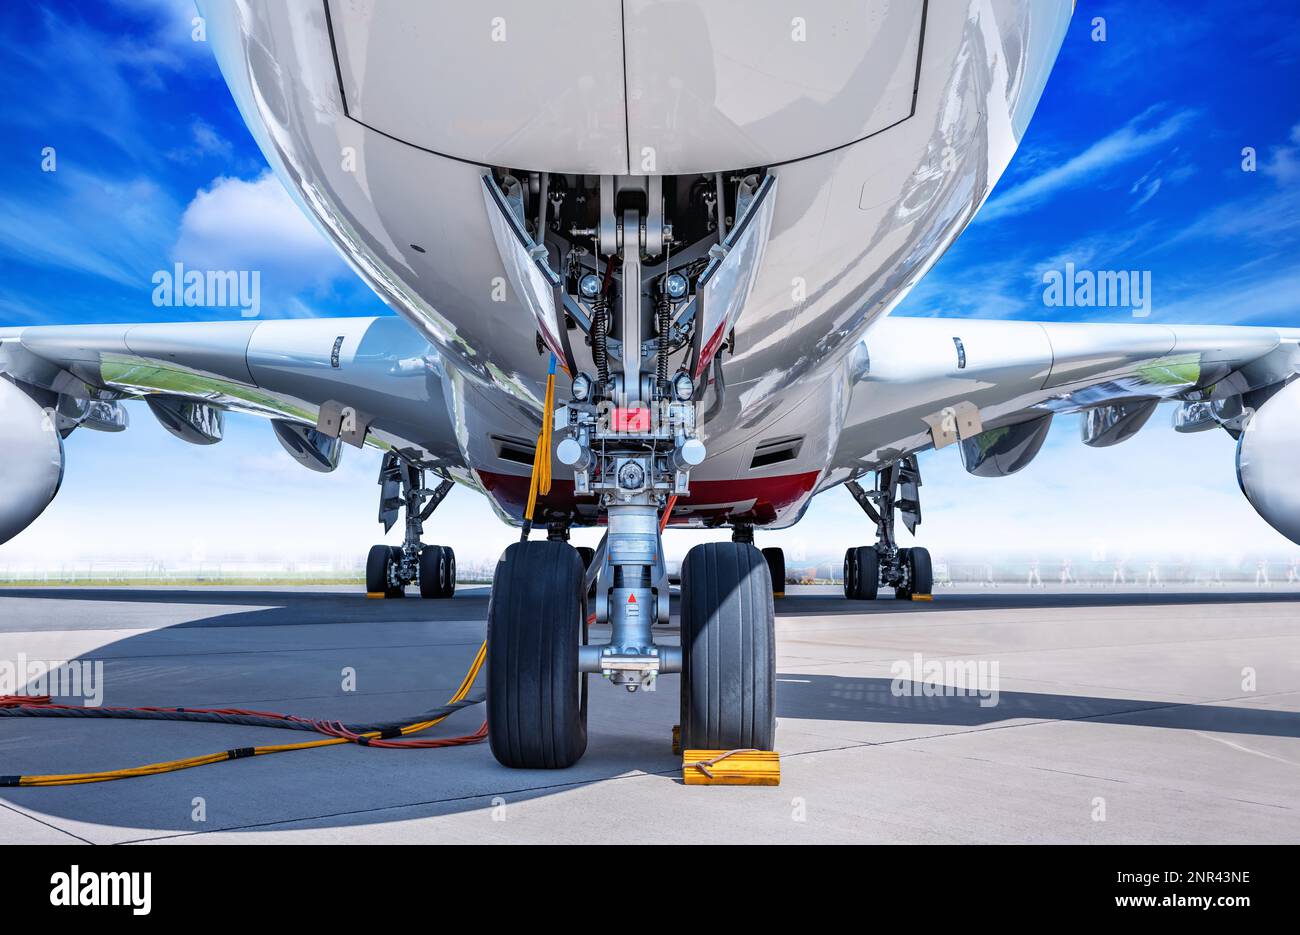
(675, 285)
(582, 387)
(683, 386)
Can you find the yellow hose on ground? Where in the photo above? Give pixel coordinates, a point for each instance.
(171, 766)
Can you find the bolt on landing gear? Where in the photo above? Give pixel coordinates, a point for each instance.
(868, 567)
(631, 442)
(390, 568)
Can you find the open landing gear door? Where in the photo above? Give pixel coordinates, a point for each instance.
(725, 284)
(527, 266)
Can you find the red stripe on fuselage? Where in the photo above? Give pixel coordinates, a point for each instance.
(752, 499)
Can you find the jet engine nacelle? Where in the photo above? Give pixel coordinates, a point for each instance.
(1268, 451)
(31, 460)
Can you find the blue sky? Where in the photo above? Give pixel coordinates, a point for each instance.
(154, 166)
(1133, 161)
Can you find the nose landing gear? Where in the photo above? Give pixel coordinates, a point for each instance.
(631, 440)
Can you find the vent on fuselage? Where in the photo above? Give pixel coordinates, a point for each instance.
(775, 450)
(514, 449)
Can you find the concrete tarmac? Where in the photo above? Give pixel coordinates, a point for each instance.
(1100, 717)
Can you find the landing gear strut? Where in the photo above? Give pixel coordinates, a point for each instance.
(389, 569)
(908, 571)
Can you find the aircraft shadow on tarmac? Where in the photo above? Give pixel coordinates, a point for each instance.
(840, 698)
(830, 605)
(307, 787)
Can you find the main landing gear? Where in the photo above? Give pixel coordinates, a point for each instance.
(390, 568)
(869, 567)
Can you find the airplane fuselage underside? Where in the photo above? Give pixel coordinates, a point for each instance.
(860, 139)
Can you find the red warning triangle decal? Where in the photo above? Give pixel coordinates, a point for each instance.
(631, 598)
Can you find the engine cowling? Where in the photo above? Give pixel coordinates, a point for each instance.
(1268, 451)
(31, 460)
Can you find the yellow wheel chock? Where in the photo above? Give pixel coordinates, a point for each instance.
(731, 768)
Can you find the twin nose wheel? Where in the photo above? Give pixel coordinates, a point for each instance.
(537, 696)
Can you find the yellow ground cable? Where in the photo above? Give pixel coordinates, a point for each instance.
(171, 766)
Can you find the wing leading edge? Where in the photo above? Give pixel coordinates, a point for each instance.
(993, 388)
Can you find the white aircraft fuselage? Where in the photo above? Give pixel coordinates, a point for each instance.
(883, 125)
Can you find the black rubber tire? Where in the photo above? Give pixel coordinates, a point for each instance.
(536, 697)
(377, 569)
(850, 573)
(449, 572)
(775, 558)
(378, 561)
(728, 649)
(437, 571)
(922, 571)
(866, 577)
(904, 561)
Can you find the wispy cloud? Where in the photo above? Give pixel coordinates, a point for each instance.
(1130, 141)
(1283, 162)
(87, 223)
(205, 142)
(90, 79)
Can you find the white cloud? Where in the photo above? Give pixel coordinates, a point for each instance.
(1126, 143)
(1283, 162)
(254, 225)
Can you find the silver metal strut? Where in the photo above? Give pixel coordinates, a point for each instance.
(626, 447)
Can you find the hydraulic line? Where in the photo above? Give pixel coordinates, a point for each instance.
(600, 328)
(599, 336)
(668, 512)
(665, 312)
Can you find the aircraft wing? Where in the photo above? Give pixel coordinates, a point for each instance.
(993, 388)
(323, 382)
